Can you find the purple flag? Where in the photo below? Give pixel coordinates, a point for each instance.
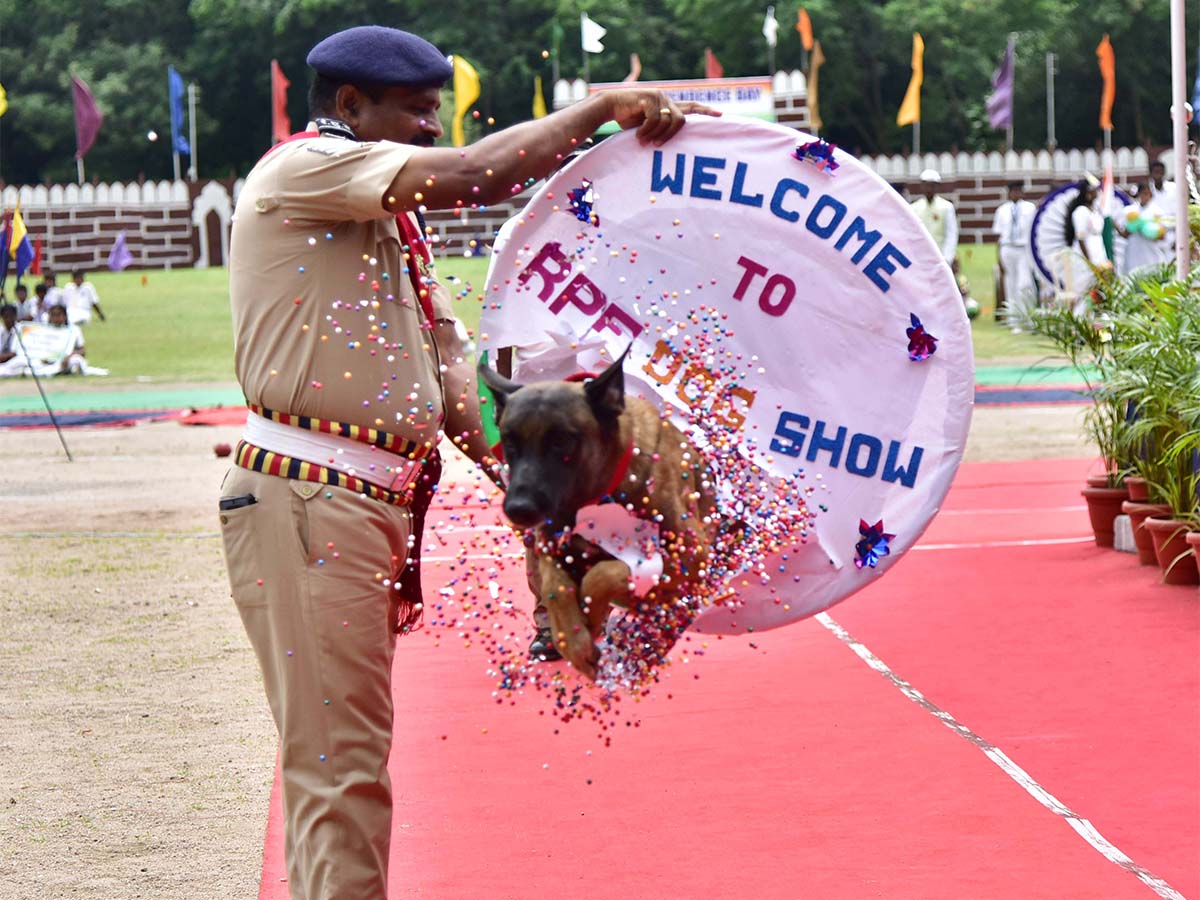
(1000, 101)
(119, 257)
(88, 117)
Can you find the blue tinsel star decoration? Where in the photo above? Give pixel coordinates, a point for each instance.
(874, 544)
(921, 344)
(819, 153)
(581, 200)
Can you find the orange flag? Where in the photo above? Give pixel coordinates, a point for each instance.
(1108, 71)
(281, 125)
(712, 65)
(814, 103)
(804, 26)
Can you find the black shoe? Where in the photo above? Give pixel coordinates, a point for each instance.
(542, 648)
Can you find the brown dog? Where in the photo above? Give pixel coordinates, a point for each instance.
(571, 444)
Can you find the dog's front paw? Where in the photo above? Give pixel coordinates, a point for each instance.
(579, 650)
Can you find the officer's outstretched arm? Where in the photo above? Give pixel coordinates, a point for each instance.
(499, 165)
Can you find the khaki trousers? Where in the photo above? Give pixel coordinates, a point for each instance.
(307, 567)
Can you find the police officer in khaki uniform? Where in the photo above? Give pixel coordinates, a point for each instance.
(345, 347)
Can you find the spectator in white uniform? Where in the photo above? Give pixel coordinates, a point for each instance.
(8, 335)
(937, 215)
(1162, 192)
(53, 296)
(26, 305)
(1012, 226)
(81, 298)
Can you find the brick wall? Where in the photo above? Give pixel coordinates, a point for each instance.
(78, 224)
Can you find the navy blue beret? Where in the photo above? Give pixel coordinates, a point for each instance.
(372, 54)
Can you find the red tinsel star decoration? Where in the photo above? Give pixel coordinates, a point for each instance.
(921, 344)
(873, 545)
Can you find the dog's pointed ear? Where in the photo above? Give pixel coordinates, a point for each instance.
(499, 387)
(606, 392)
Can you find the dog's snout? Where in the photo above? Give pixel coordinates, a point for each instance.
(522, 511)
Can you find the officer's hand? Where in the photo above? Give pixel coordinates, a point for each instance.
(655, 115)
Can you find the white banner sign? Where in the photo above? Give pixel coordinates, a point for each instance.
(48, 344)
(733, 96)
(811, 293)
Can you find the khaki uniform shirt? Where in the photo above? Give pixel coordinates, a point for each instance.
(325, 319)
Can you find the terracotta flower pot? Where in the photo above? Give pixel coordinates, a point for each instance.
(1139, 491)
(1138, 512)
(1104, 505)
(1171, 547)
(1097, 481)
(1193, 539)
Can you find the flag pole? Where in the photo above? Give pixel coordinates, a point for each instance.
(916, 137)
(79, 170)
(1012, 41)
(193, 168)
(171, 113)
(45, 399)
(1179, 134)
(1051, 140)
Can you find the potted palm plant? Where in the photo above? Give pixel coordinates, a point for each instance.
(1090, 341)
(1158, 374)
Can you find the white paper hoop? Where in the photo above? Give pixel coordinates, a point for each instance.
(816, 272)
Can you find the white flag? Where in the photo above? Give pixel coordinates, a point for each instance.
(771, 27)
(590, 34)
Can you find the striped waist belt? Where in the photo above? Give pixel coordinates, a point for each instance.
(310, 452)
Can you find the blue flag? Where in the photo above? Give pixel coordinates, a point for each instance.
(19, 246)
(5, 244)
(1196, 90)
(179, 143)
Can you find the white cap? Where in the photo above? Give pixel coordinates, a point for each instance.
(931, 175)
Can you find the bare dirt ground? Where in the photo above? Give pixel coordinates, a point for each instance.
(136, 750)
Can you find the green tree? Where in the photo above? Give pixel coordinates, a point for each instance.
(225, 46)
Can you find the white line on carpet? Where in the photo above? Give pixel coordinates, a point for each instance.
(1082, 826)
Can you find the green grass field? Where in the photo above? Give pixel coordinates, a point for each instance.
(175, 326)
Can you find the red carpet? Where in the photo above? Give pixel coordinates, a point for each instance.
(786, 767)
(216, 415)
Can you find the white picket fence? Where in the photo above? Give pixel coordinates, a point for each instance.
(150, 193)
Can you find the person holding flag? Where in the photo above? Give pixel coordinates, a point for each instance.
(335, 212)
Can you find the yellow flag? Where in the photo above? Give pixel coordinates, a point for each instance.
(539, 102)
(3, 100)
(814, 69)
(19, 232)
(466, 92)
(910, 109)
